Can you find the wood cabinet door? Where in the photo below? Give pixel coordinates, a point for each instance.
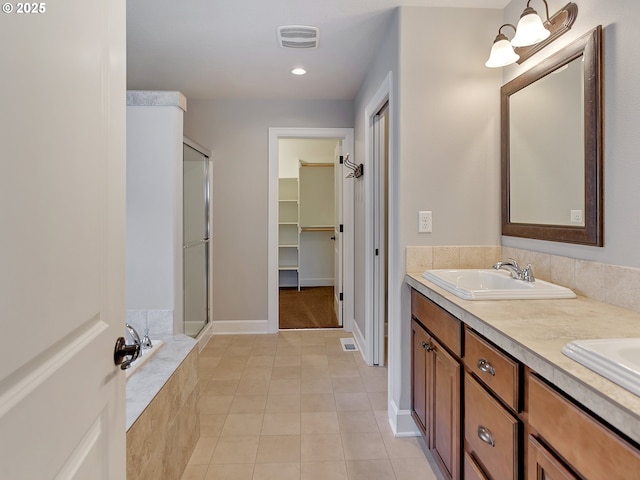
(420, 340)
(445, 442)
(542, 465)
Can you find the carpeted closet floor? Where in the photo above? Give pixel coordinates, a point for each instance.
(311, 307)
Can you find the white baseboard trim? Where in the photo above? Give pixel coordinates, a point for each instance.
(401, 421)
(359, 339)
(239, 327)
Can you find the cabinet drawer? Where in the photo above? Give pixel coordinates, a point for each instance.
(445, 327)
(491, 432)
(471, 469)
(584, 443)
(492, 367)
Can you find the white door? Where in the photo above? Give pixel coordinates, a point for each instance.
(62, 184)
(337, 234)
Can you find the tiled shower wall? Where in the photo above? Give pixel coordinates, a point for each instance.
(612, 284)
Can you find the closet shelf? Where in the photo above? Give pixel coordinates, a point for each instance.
(318, 228)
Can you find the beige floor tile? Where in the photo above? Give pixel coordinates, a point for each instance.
(312, 337)
(343, 372)
(241, 449)
(284, 386)
(258, 372)
(287, 361)
(279, 449)
(412, 447)
(347, 385)
(317, 402)
(253, 386)
(277, 471)
(313, 350)
(228, 372)
(410, 469)
(238, 351)
(378, 400)
(315, 371)
(215, 404)
(241, 424)
(220, 387)
(248, 404)
(263, 350)
(287, 349)
(323, 471)
(281, 424)
(321, 447)
(357, 422)
(352, 402)
(363, 446)
(283, 403)
(203, 451)
(316, 384)
(334, 349)
(211, 424)
(194, 472)
(319, 422)
(281, 373)
(238, 471)
(371, 470)
(311, 360)
(374, 383)
(259, 360)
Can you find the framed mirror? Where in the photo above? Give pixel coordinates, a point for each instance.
(551, 147)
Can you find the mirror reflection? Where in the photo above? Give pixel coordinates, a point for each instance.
(547, 149)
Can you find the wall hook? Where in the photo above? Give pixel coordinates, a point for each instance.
(356, 170)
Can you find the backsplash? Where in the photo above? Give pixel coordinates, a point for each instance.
(612, 284)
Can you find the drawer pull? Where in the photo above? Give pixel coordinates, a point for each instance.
(486, 367)
(486, 436)
(427, 346)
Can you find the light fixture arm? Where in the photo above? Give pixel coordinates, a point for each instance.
(506, 25)
(546, 6)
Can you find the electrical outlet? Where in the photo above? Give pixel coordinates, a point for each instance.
(425, 222)
(576, 216)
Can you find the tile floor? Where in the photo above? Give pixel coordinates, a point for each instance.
(295, 406)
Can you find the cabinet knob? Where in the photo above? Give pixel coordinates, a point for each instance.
(427, 346)
(486, 436)
(486, 367)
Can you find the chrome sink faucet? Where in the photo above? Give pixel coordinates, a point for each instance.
(511, 265)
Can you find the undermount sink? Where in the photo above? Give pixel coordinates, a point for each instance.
(489, 284)
(617, 359)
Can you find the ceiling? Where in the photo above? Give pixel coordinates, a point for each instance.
(210, 49)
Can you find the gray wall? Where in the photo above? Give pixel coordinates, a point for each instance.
(446, 153)
(621, 57)
(236, 131)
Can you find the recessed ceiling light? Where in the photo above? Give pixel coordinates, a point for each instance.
(299, 71)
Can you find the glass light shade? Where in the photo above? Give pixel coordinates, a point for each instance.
(502, 53)
(530, 29)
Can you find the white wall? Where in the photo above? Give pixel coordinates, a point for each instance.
(621, 69)
(154, 208)
(236, 131)
(446, 152)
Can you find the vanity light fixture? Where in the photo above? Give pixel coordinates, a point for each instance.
(502, 53)
(532, 34)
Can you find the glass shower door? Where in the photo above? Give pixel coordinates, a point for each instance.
(196, 240)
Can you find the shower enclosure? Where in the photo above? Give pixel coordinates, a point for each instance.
(196, 231)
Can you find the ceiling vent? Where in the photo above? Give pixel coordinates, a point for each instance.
(298, 36)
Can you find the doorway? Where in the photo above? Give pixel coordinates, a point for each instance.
(307, 246)
(306, 224)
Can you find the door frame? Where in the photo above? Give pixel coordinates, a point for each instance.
(375, 350)
(347, 137)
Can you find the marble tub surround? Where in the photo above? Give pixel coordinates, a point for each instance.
(419, 259)
(162, 434)
(153, 98)
(534, 332)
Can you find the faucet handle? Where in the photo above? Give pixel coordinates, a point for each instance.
(512, 261)
(527, 274)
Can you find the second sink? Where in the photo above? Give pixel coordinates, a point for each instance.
(489, 284)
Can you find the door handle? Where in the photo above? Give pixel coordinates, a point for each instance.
(124, 354)
(333, 238)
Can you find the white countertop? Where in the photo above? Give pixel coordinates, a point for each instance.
(534, 332)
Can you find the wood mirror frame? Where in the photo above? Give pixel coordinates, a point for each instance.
(589, 46)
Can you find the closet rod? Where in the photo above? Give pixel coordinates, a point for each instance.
(317, 229)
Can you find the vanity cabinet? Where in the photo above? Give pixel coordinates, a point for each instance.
(436, 379)
(565, 442)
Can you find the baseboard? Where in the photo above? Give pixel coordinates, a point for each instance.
(239, 327)
(358, 337)
(401, 421)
